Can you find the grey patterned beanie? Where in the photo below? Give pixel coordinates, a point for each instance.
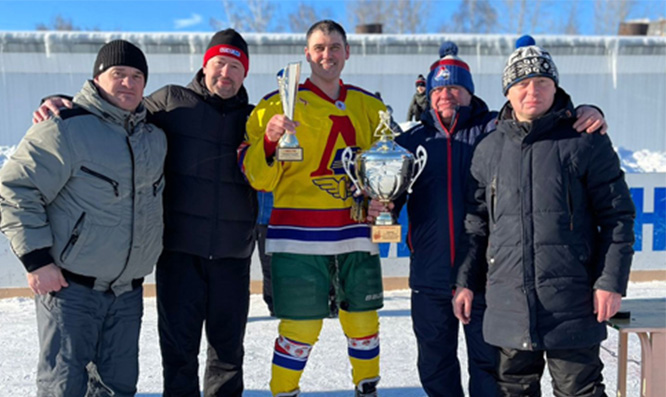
(528, 60)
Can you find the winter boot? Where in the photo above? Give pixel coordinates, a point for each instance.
(367, 388)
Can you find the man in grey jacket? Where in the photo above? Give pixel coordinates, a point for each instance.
(81, 202)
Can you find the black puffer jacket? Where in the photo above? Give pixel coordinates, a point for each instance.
(557, 217)
(210, 209)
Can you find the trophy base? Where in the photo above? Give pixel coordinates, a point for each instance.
(289, 154)
(386, 233)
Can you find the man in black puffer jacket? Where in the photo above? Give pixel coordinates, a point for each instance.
(551, 213)
(203, 275)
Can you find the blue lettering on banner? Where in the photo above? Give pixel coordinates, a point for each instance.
(657, 218)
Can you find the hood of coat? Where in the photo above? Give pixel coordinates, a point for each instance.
(91, 100)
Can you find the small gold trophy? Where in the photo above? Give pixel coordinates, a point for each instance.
(288, 148)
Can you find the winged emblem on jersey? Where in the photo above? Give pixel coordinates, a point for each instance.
(336, 187)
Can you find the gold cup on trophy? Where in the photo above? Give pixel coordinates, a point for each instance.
(288, 148)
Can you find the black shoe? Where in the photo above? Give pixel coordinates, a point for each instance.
(367, 388)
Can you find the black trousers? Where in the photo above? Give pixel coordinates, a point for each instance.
(436, 330)
(192, 292)
(260, 235)
(575, 372)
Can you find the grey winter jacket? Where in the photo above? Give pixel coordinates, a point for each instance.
(84, 191)
(553, 210)
(417, 106)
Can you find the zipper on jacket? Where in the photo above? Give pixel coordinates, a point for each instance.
(102, 177)
(570, 204)
(448, 132)
(133, 223)
(493, 198)
(73, 238)
(156, 185)
(449, 188)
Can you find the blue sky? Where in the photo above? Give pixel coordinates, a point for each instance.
(140, 16)
(194, 15)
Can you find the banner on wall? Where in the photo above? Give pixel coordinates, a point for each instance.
(649, 194)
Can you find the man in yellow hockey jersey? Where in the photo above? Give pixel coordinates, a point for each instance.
(313, 240)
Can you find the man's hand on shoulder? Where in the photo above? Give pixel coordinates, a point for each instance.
(589, 119)
(49, 108)
(46, 279)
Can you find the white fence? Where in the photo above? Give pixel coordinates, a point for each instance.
(625, 76)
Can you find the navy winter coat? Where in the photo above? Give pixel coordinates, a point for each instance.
(436, 205)
(553, 209)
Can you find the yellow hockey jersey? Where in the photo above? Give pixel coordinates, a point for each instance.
(311, 213)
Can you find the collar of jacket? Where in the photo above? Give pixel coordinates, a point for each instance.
(90, 99)
(198, 85)
(465, 114)
(529, 132)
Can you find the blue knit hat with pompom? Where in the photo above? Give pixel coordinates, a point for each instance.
(449, 70)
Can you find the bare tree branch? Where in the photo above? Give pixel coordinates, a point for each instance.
(59, 23)
(362, 12)
(474, 16)
(306, 15)
(407, 16)
(571, 26)
(609, 13)
(248, 16)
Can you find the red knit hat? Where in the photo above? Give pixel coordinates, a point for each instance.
(228, 43)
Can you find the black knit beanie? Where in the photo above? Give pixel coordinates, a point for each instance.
(120, 53)
(229, 43)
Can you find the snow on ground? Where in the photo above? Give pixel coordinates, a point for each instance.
(328, 371)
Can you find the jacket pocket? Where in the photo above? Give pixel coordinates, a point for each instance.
(113, 183)
(73, 238)
(493, 199)
(570, 201)
(158, 185)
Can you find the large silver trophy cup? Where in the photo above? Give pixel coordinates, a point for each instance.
(288, 147)
(384, 172)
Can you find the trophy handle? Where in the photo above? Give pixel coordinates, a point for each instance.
(419, 165)
(347, 160)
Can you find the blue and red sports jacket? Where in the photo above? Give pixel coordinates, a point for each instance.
(436, 206)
